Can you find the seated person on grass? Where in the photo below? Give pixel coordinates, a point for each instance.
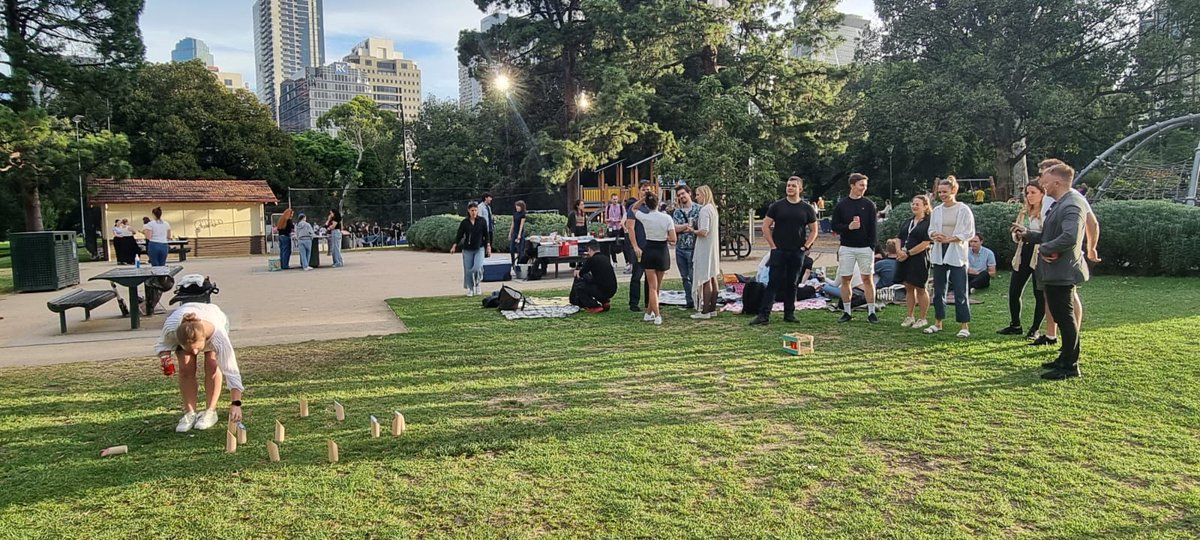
(981, 264)
(595, 281)
(885, 276)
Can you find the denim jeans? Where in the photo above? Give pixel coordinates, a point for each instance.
(957, 278)
(305, 251)
(157, 251)
(472, 268)
(516, 247)
(335, 247)
(683, 259)
(285, 251)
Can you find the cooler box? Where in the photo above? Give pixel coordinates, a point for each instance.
(569, 249)
(547, 250)
(497, 268)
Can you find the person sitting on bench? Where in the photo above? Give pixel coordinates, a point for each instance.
(595, 281)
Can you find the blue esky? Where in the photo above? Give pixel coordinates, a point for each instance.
(424, 30)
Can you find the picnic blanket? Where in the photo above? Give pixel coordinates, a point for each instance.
(811, 303)
(678, 298)
(554, 307)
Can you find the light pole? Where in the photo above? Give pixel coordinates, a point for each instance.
(79, 167)
(891, 186)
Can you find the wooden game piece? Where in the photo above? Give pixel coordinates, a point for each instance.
(398, 426)
(241, 434)
(114, 450)
(230, 443)
(339, 411)
(279, 432)
(272, 451)
(374, 428)
(232, 428)
(332, 447)
(303, 408)
(797, 344)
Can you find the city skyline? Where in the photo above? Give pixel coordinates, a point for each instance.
(426, 32)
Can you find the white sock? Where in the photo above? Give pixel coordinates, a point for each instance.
(871, 308)
(846, 305)
(1048, 336)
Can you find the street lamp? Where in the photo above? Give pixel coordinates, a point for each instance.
(79, 167)
(891, 186)
(503, 83)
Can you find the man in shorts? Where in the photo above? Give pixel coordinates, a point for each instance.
(854, 220)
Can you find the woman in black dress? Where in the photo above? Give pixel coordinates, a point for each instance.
(913, 270)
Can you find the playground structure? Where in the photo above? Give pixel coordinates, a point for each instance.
(1137, 176)
(615, 178)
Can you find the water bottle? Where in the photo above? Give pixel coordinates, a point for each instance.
(137, 262)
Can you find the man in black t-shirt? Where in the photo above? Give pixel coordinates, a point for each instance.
(595, 281)
(854, 219)
(790, 228)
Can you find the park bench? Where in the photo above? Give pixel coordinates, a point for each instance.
(178, 247)
(88, 300)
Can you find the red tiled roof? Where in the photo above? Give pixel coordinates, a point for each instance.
(151, 190)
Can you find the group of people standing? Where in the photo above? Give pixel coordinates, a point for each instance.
(156, 232)
(303, 232)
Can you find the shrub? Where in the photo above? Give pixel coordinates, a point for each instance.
(1139, 237)
(437, 232)
(535, 224)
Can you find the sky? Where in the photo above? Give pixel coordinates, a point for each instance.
(424, 30)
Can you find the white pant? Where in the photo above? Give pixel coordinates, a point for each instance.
(849, 257)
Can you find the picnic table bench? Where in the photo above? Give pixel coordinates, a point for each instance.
(79, 298)
(178, 247)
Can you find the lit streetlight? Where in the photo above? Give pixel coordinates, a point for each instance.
(503, 83)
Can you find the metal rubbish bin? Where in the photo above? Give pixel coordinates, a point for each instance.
(314, 258)
(44, 261)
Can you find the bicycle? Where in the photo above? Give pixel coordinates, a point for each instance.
(734, 243)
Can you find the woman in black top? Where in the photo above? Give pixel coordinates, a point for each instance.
(913, 270)
(473, 236)
(577, 220)
(516, 231)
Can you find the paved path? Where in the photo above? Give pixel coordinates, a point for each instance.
(265, 308)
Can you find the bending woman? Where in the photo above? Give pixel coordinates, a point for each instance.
(191, 331)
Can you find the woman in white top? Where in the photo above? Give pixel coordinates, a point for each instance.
(706, 259)
(1023, 263)
(950, 228)
(190, 331)
(656, 258)
(157, 233)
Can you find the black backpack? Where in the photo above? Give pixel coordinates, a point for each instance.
(492, 300)
(752, 297)
(511, 299)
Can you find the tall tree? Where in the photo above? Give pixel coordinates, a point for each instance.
(375, 136)
(456, 159)
(1019, 72)
(51, 44)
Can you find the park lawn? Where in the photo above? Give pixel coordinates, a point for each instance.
(604, 426)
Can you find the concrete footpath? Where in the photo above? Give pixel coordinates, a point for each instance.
(265, 308)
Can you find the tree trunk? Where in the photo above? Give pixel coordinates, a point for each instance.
(708, 60)
(1011, 171)
(31, 203)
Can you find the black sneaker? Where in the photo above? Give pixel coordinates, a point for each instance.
(634, 309)
(1055, 364)
(872, 319)
(845, 318)
(1062, 373)
(759, 321)
(790, 318)
(1043, 340)
(1010, 331)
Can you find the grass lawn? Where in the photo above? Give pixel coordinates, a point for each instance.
(604, 426)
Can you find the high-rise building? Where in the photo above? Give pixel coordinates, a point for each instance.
(395, 82)
(470, 92)
(231, 81)
(315, 90)
(289, 36)
(188, 49)
(849, 33)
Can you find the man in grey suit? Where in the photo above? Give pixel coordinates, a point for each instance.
(1062, 266)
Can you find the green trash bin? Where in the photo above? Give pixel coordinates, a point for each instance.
(44, 261)
(314, 258)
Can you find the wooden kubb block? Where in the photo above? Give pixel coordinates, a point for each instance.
(797, 344)
(332, 449)
(339, 411)
(273, 451)
(398, 426)
(280, 432)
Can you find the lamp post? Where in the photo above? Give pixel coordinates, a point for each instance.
(891, 186)
(79, 168)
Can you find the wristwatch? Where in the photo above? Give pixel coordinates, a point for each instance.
(236, 403)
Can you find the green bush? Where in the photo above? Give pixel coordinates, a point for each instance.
(437, 232)
(1138, 237)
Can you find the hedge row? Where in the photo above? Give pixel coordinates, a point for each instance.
(437, 232)
(1139, 237)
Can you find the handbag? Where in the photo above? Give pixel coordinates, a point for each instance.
(510, 299)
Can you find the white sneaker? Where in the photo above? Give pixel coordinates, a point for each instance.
(648, 317)
(921, 323)
(185, 424)
(206, 420)
(658, 320)
(933, 329)
(307, 268)
(699, 316)
(964, 333)
(908, 322)
(479, 290)
(470, 293)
